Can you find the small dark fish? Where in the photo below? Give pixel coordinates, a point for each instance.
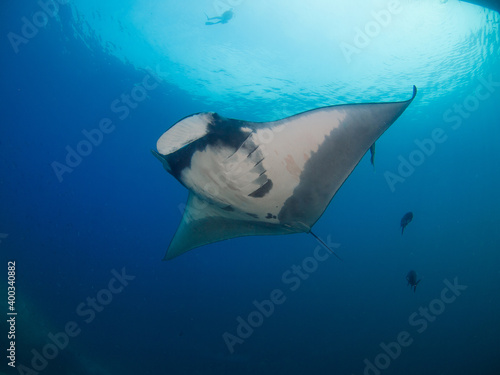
(412, 280)
(407, 218)
(372, 154)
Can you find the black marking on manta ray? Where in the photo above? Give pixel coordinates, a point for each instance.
(251, 152)
(263, 190)
(259, 162)
(252, 215)
(227, 131)
(241, 145)
(222, 133)
(270, 216)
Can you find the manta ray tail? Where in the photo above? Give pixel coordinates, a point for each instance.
(325, 245)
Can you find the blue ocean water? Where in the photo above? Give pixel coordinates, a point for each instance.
(87, 212)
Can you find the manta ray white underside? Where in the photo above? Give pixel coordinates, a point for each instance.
(248, 178)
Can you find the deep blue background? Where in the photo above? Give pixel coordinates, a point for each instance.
(119, 208)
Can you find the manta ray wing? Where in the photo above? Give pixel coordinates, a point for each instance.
(249, 178)
(204, 223)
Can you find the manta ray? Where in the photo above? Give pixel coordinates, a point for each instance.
(266, 178)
